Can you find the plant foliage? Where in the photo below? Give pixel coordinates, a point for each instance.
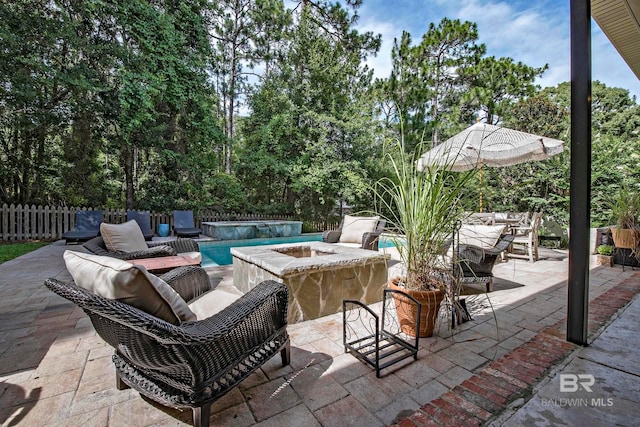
(423, 208)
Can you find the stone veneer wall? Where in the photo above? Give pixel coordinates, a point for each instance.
(317, 293)
(240, 230)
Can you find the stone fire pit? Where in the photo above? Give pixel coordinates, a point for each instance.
(319, 275)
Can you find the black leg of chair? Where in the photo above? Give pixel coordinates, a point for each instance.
(285, 354)
(201, 415)
(490, 285)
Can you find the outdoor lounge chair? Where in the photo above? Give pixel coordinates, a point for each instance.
(182, 246)
(86, 226)
(143, 218)
(356, 231)
(183, 224)
(187, 363)
(475, 261)
(125, 241)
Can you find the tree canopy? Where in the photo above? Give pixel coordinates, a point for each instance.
(267, 106)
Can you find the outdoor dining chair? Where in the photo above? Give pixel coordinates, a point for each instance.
(482, 218)
(526, 239)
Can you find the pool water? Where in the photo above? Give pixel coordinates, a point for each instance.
(216, 253)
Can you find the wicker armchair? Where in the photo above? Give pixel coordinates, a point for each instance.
(369, 239)
(97, 246)
(193, 364)
(475, 264)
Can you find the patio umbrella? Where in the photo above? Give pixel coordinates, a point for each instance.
(488, 145)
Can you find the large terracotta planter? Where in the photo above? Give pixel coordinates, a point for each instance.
(407, 311)
(625, 238)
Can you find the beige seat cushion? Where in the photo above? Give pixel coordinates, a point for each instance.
(483, 236)
(214, 301)
(119, 280)
(353, 227)
(123, 238)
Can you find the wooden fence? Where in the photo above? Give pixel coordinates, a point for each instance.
(24, 222)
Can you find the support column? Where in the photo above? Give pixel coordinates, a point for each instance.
(580, 192)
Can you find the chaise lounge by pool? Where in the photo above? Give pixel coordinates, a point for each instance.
(319, 275)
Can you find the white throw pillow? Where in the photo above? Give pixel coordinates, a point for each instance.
(119, 280)
(214, 301)
(353, 227)
(123, 238)
(483, 236)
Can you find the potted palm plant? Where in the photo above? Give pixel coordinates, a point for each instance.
(423, 209)
(624, 212)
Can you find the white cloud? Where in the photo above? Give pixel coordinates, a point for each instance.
(523, 35)
(381, 64)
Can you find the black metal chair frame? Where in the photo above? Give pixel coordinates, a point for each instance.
(193, 364)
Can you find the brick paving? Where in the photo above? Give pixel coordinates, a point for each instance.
(54, 369)
(490, 390)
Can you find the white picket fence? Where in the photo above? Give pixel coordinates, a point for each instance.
(24, 222)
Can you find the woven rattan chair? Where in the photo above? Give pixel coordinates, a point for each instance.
(97, 246)
(192, 364)
(475, 264)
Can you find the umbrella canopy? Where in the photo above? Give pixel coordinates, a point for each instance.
(488, 145)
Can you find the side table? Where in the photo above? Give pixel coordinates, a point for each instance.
(164, 263)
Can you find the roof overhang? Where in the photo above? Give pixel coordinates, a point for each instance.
(619, 20)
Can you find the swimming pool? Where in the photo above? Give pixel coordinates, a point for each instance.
(216, 253)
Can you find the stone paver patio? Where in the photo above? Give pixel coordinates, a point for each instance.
(54, 370)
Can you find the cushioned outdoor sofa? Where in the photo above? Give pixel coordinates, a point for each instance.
(357, 231)
(125, 241)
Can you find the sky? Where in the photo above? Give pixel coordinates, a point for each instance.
(535, 32)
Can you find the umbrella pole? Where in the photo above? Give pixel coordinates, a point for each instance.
(480, 180)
